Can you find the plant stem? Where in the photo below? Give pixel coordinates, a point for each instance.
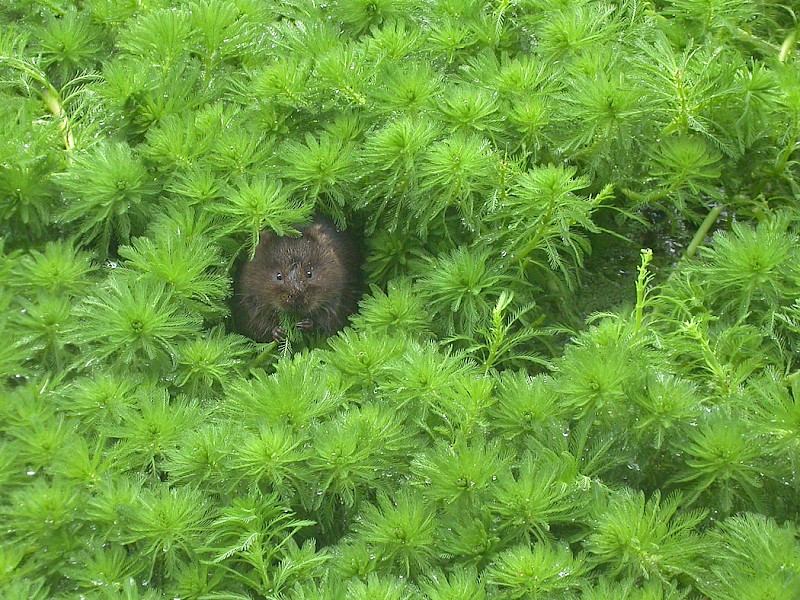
(763, 45)
(641, 286)
(701, 233)
(647, 198)
(534, 243)
(787, 46)
(53, 103)
(50, 95)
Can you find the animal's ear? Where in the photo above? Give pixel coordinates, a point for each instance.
(317, 232)
(266, 240)
(266, 237)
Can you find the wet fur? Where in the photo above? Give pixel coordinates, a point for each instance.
(327, 298)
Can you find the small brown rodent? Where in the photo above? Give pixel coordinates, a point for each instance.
(312, 278)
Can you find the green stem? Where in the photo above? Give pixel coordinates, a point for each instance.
(762, 45)
(787, 46)
(713, 364)
(702, 232)
(50, 95)
(53, 102)
(641, 286)
(786, 152)
(494, 349)
(648, 198)
(534, 243)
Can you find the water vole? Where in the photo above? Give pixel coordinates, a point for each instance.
(312, 279)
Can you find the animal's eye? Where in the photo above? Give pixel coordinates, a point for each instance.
(309, 273)
(279, 276)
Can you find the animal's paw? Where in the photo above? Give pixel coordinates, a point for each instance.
(306, 324)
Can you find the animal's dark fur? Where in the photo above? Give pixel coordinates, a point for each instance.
(312, 278)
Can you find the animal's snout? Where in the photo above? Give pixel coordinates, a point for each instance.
(295, 300)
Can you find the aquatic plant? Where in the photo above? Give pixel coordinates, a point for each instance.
(527, 404)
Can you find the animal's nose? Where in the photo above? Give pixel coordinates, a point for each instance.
(295, 300)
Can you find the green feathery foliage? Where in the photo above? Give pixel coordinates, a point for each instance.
(757, 557)
(399, 310)
(647, 539)
(401, 533)
(107, 192)
(573, 369)
(131, 319)
(539, 571)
